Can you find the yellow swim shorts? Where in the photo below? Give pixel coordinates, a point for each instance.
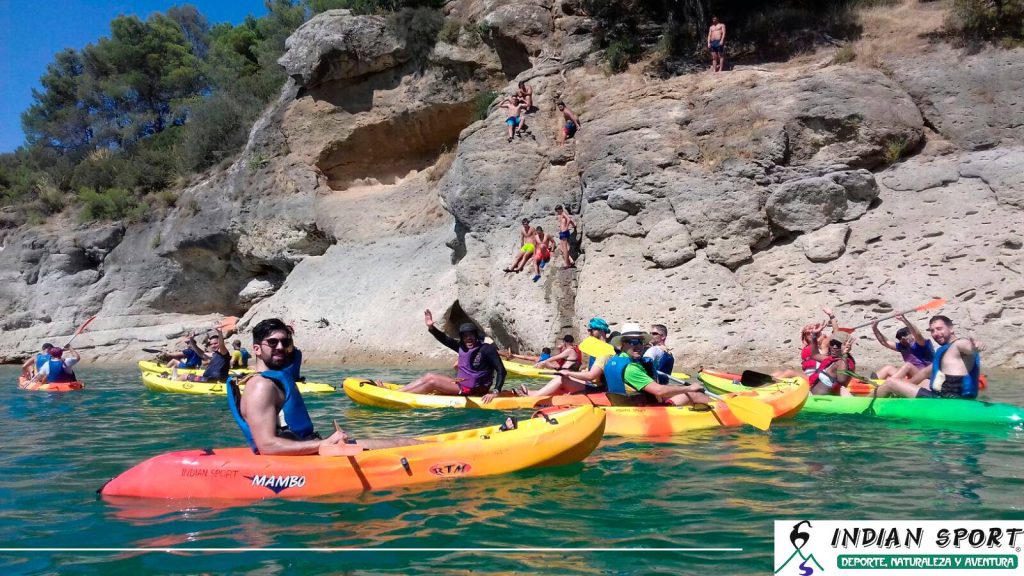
(527, 248)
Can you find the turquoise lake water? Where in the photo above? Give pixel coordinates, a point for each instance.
(711, 489)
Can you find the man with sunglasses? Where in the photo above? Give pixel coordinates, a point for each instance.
(627, 369)
(657, 354)
(219, 364)
(271, 412)
(479, 366)
(829, 375)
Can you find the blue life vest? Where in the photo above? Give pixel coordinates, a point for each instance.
(293, 419)
(665, 365)
(296, 366)
(192, 360)
(614, 372)
(57, 373)
(543, 357)
(40, 360)
(970, 382)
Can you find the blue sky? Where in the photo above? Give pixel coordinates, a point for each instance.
(32, 31)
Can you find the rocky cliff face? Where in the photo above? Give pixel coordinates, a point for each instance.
(729, 207)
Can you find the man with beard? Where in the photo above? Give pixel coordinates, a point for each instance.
(271, 412)
(955, 372)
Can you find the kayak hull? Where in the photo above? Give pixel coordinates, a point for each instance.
(237, 473)
(158, 383)
(919, 409)
(26, 384)
(656, 421)
(153, 367)
(387, 395)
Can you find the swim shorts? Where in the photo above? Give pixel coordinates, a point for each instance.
(569, 128)
(543, 254)
(951, 388)
(512, 121)
(564, 234)
(474, 390)
(716, 46)
(527, 248)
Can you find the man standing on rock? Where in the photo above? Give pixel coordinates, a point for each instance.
(566, 228)
(956, 367)
(515, 112)
(572, 123)
(716, 44)
(525, 248)
(477, 367)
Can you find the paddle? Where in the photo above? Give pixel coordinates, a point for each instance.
(748, 410)
(80, 330)
(754, 379)
(593, 347)
(931, 305)
(345, 449)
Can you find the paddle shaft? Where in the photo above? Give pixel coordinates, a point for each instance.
(929, 305)
(709, 393)
(80, 330)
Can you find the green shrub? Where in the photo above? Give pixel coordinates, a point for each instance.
(989, 20)
(482, 104)
(110, 204)
(450, 32)
(618, 55)
(895, 149)
(167, 198)
(844, 55)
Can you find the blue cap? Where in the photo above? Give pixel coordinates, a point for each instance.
(598, 324)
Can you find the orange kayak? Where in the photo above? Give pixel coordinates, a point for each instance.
(237, 473)
(26, 384)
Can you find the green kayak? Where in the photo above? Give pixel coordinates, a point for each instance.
(919, 409)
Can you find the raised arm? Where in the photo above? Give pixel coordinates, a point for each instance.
(441, 337)
(881, 338)
(918, 337)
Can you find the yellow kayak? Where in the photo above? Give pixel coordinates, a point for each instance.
(365, 392)
(786, 400)
(158, 383)
(530, 371)
(148, 366)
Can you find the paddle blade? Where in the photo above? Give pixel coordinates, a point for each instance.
(84, 325)
(753, 379)
(845, 329)
(228, 324)
(937, 303)
(750, 411)
(593, 347)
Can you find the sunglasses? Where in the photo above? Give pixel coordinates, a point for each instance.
(284, 342)
(633, 341)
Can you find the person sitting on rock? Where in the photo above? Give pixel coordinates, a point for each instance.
(574, 382)
(31, 366)
(526, 248)
(566, 228)
(515, 112)
(658, 355)
(627, 370)
(219, 365)
(239, 356)
(956, 367)
(917, 353)
(525, 94)
(57, 369)
(542, 253)
(479, 365)
(568, 357)
(571, 123)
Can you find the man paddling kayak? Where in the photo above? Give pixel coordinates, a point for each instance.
(956, 367)
(33, 364)
(57, 369)
(271, 412)
(479, 365)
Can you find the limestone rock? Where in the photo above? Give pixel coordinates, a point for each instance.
(335, 45)
(730, 252)
(825, 244)
(1002, 170)
(809, 204)
(257, 289)
(668, 244)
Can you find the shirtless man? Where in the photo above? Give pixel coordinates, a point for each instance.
(956, 367)
(514, 111)
(526, 248)
(525, 94)
(716, 44)
(572, 123)
(544, 244)
(566, 227)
